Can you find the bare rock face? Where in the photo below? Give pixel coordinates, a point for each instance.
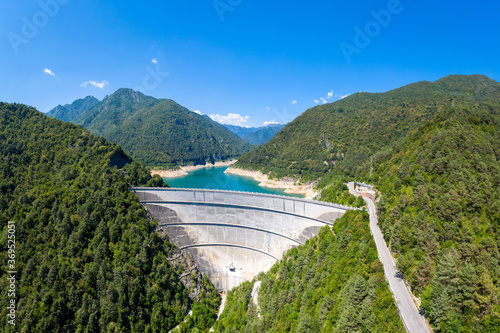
(191, 277)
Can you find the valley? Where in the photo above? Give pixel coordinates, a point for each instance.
(157, 132)
(235, 166)
(431, 149)
(443, 160)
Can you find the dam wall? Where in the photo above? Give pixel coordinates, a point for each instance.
(232, 236)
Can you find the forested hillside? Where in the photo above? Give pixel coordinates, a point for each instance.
(440, 214)
(338, 137)
(86, 255)
(436, 165)
(68, 112)
(160, 132)
(333, 283)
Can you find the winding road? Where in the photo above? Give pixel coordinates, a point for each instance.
(408, 311)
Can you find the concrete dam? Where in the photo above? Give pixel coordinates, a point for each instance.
(232, 236)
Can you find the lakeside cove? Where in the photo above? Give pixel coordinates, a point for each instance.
(183, 171)
(221, 175)
(290, 185)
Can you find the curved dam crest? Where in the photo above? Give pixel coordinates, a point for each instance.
(232, 236)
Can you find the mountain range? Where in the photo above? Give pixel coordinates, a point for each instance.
(432, 151)
(68, 112)
(340, 136)
(256, 135)
(158, 132)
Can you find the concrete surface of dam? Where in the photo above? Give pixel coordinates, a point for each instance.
(232, 236)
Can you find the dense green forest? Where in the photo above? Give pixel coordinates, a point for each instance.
(338, 137)
(86, 254)
(158, 132)
(440, 214)
(333, 283)
(83, 239)
(436, 153)
(68, 112)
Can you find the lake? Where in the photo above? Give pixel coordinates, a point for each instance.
(214, 178)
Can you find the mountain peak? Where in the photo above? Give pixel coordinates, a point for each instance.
(476, 86)
(68, 112)
(160, 132)
(342, 135)
(127, 94)
(465, 78)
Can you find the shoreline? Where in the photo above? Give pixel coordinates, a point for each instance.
(289, 184)
(183, 171)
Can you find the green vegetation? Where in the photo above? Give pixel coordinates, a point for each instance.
(87, 256)
(340, 136)
(82, 237)
(204, 312)
(334, 189)
(436, 153)
(160, 132)
(71, 111)
(440, 213)
(333, 283)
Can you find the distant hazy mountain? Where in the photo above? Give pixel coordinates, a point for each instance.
(241, 131)
(256, 135)
(71, 111)
(159, 132)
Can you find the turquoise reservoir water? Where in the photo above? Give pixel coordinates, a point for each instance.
(215, 179)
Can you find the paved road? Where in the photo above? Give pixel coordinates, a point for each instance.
(408, 311)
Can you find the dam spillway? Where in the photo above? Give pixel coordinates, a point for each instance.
(232, 236)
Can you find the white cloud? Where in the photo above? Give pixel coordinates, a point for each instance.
(270, 122)
(294, 102)
(330, 95)
(197, 111)
(231, 119)
(96, 84)
(154, 61)
(48, 71)
(268, 109)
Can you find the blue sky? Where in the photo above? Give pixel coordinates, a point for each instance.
(256, 61)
